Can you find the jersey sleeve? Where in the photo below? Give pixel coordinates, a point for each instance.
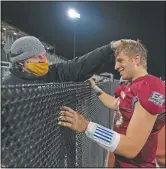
(151, 96)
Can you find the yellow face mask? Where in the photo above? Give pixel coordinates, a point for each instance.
(39, 69)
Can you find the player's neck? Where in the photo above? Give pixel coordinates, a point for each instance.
(139, 73)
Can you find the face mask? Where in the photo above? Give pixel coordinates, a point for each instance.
(39, 69)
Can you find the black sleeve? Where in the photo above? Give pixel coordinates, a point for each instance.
(82, 68)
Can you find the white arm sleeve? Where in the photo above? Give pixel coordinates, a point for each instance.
(105, 137)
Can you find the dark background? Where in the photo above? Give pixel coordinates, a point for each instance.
(100, 23)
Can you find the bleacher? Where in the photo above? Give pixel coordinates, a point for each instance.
(9, 35)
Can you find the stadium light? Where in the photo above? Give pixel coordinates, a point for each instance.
(15, 33)
(73, 14)
(4, 29)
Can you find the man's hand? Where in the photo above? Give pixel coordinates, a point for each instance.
(92, 83)
(71, 119)
(115, 44)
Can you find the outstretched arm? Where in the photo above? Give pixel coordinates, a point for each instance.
(84, 67)
(109, 139)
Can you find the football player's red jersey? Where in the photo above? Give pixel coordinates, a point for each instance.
(150, 92)
(117, 91)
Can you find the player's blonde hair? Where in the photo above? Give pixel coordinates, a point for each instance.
(131, 47)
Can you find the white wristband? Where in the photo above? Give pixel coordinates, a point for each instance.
(105, 137)
(97, 90)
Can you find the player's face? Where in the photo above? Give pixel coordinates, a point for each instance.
(125, 65)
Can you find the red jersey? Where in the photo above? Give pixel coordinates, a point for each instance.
(150, 91)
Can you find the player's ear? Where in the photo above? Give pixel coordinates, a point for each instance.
(137, 59)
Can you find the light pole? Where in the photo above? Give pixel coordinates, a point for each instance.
(73, 14)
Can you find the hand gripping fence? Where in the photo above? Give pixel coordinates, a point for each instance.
(30, 136)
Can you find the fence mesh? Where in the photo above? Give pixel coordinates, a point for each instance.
(30, 136)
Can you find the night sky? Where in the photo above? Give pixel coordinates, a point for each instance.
(100, 23)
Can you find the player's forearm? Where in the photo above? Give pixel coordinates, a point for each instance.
(107, 100)
(126, 147)
(111, 140)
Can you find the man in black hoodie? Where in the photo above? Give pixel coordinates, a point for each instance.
(30, 64)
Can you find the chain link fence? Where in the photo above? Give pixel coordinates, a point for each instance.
(30, 136)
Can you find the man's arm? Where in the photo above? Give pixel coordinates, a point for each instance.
(120, 143)
(82, 68)
(109, 139)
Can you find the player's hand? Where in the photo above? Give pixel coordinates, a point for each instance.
(71, 119)
(92, 83)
